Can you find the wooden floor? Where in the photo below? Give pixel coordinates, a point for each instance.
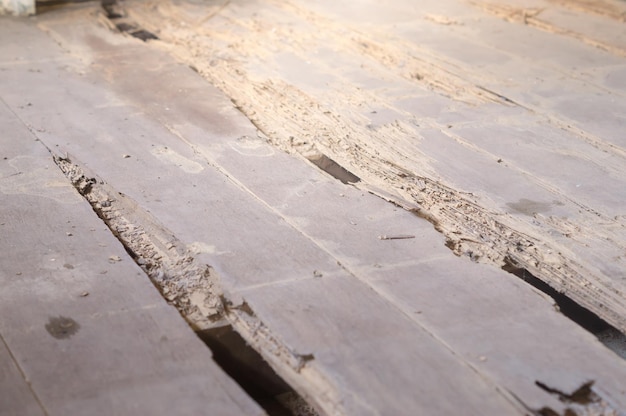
(137, 178)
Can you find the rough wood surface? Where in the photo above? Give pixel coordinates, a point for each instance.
(82, 329)
(358, 324)
(507, 135)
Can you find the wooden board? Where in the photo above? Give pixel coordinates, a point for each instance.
(513, 148)
(357, 324)
(17, 397)
(83, 330)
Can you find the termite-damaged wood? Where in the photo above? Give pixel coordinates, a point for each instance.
(171, 266)
(438, 125)
(357, 325)
(82, 330)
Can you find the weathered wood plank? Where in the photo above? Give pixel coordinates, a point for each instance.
(374, 359)
(84, 324)
(17, 398)
(390, 303)
(601, 28)
(385, 102)
(453, 299)
(236, 222)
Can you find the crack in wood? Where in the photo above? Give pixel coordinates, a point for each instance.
(245, 320)
(472, 231)
(185, 283)
(284, 112)
(297, 369)
(191, 287)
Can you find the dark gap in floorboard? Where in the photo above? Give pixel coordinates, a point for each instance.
(112, 9)
(334, 169)
(125, 27)
(610, 336)
(607, 334)
(46, 6)
(229, 350)
(246, 366)
(116, 14)
(143, 35)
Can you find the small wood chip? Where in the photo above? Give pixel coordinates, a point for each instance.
(113, 259)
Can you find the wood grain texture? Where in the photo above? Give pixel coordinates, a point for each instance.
(357, 324)
(84, 325)
(508, 136)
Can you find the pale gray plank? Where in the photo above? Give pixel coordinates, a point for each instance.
(377, 360)
(594, 23)
(254, 248)
(327, 100)
(17, 397)
(496, 322)
(354, 325)
(128, 351)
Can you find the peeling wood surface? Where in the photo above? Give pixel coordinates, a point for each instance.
(357, 324)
